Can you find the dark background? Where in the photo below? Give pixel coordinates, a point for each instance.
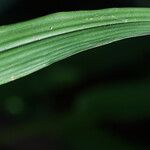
(98, 99)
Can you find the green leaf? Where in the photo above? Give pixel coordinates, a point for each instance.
(32, 45)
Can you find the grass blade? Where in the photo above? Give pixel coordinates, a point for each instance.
(32, 45)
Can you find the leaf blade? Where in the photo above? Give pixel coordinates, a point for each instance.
(32, 45)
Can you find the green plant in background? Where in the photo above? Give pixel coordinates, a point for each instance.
(32, 45)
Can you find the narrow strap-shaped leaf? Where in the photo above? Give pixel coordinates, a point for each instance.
(29, 46)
